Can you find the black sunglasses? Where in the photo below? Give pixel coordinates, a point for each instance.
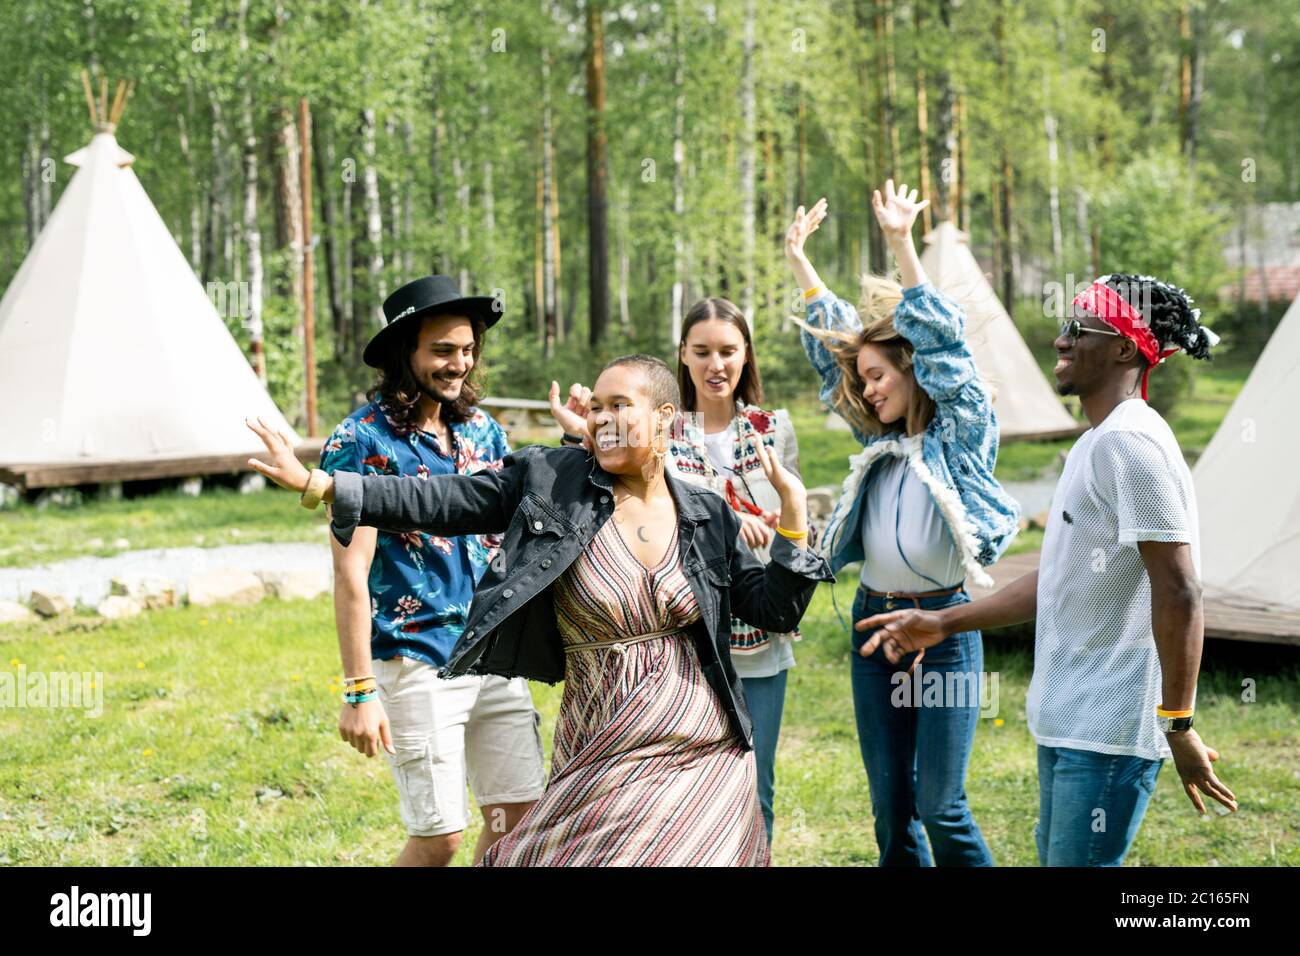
(1074, 328)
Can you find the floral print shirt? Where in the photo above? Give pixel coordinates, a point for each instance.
(420, 584)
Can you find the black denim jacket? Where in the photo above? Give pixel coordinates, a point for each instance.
(550, 502)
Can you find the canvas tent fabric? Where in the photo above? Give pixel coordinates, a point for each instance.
(1246, 486)
(110, 349)
(1025, 402)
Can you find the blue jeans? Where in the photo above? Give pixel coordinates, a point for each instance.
(766, 699)
(1090, 805)
(916, 756)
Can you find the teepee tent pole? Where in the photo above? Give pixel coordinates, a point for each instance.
(90, 97)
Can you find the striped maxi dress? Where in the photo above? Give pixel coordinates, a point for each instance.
(646, 769)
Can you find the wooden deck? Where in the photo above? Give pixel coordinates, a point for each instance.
(521, 415)
(65, 474)
(1222, 620)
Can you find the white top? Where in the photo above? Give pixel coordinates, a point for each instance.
(719, 448)
(1096, 680)
(897, 495)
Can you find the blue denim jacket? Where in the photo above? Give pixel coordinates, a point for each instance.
(955, 457)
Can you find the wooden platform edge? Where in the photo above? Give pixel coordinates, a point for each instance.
(1223, 621)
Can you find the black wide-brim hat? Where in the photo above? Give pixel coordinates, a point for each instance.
(431, 295)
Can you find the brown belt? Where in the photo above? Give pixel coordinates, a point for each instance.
(915, 596)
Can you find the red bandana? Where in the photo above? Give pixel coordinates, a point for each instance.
(1108, 305)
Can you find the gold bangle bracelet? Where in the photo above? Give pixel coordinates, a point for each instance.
(795, 535)
(316, 482)
(813, 292)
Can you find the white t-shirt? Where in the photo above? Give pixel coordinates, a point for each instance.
(1096, 682)
(901, 526)
(720, 448)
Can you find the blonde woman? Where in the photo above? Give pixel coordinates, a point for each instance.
(923, 513)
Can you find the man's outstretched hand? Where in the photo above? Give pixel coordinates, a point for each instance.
(901, 632)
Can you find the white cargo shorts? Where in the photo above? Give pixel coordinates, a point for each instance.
(445, 731)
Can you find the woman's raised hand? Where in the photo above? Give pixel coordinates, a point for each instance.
(804, 225)
(787, 485)
(284, 468)
(572, 416)
(897, 210)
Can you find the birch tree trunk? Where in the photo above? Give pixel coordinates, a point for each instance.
(374, 218)
(678, 304)
(252, 235)
(747, 179)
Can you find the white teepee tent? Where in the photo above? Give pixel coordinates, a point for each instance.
(110, 350)
(1246, 488)
(1025, 403)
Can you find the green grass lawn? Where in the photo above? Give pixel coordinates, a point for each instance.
(205, 709)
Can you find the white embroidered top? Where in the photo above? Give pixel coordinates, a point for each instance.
(710, 460)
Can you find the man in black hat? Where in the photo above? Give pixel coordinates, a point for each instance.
(401, 600)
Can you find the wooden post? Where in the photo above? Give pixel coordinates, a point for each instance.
(308, 287)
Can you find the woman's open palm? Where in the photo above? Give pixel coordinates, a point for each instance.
(804, 225)
(897, 210)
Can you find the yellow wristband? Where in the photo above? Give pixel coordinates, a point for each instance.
(1161, 712)
(316, 482)
(813, 292)
(795, 535)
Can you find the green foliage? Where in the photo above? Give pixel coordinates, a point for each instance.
(456, 93)
(1157, 220)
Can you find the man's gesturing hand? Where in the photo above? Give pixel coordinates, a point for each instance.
(901, 632)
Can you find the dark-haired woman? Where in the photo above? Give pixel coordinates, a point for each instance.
(715, 444)
(619, 579)
(922, 511)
